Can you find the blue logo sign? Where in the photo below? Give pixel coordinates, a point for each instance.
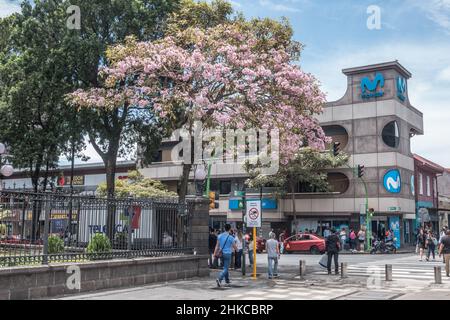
(401, 88)
(371, 86)
(392, 181)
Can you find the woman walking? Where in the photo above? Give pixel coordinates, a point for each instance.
(431, 244)
(239, 246)
(422, 243)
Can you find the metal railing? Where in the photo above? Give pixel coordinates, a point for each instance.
(43, 228)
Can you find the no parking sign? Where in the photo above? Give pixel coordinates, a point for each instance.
(253, 213)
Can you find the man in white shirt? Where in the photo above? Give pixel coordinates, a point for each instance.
(273, 255)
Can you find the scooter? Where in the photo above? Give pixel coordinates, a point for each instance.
(384, 247)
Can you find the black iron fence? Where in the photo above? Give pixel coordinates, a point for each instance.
(43, 228)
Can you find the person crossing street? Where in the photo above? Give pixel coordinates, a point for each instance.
(444, 249)
(224, 248)
(332, 247)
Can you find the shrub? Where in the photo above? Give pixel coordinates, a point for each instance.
(99, 244)
(55, 245)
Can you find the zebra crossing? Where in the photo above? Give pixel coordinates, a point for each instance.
(407, 270)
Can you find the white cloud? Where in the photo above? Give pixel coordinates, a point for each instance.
(437, 11)
(444, 75)
(8, 7)
(278, 6)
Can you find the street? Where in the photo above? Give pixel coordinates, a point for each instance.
(411, 280)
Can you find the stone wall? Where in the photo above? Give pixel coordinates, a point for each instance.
(37, 282)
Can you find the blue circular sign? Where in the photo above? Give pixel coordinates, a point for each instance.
(392, 181)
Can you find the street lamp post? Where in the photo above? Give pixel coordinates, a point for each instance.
(6, 170)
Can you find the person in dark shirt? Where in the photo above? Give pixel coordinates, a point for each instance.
(212, 246)
(332, 247)
(444, 249)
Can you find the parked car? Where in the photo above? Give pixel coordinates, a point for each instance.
(260, 244)
(304, 243)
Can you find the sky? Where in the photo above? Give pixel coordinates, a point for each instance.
(336, 36)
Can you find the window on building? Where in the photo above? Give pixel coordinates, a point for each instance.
(428, 186)
(391, 134)
(337, 134)
(435, 188)
(420, 182)
(225, 187)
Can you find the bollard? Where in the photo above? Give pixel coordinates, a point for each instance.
(344, 270)
(388, 272)
(302, 268)
(437, 275)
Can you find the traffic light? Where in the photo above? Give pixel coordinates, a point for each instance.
(371, 212)
(336, 148)
(360, 171)
(213, 204)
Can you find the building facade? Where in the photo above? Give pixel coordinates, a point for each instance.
(444, 197)
(86, 177)
(426, 192)
(374, 122)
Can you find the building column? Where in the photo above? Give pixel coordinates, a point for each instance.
(199, 232)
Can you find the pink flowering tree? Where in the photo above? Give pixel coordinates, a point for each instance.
(224, 77)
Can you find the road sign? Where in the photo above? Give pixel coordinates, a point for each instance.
(362, 209)
(253, 213)
(239, 193)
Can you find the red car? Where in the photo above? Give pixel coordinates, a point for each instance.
(304, 242)
(260, 244)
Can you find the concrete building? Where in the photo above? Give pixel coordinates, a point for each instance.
(374, 121)
(444, 197)
(87, 176)
(426, 192)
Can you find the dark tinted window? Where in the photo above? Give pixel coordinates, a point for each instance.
(391, 134)
(225, 187)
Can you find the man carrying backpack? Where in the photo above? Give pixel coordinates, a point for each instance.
(332, 246)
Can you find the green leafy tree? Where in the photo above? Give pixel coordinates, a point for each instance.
(137, 186)
(309, 167)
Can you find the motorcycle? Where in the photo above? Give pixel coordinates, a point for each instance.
(384, 247)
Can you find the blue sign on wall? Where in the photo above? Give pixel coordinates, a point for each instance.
(237, 204)
(394, 225)
(392, 181)
(369, 87)
(401, 88)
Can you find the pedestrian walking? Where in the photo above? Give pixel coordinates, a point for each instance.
(212, 261)
(431, 244)
(352, 240)
(239, 240)
(273, 255)
(444, 249)
(224, 247)
(250, 250)
(422, 243)
(343, 237)
(332, 247)
(361, 239)
(326, 232)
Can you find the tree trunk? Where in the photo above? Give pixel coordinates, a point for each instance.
(35, 172)
(110, 166)
(184, 182)
(294, 210)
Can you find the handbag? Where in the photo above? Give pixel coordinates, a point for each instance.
(220, 253)
(323, 261)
